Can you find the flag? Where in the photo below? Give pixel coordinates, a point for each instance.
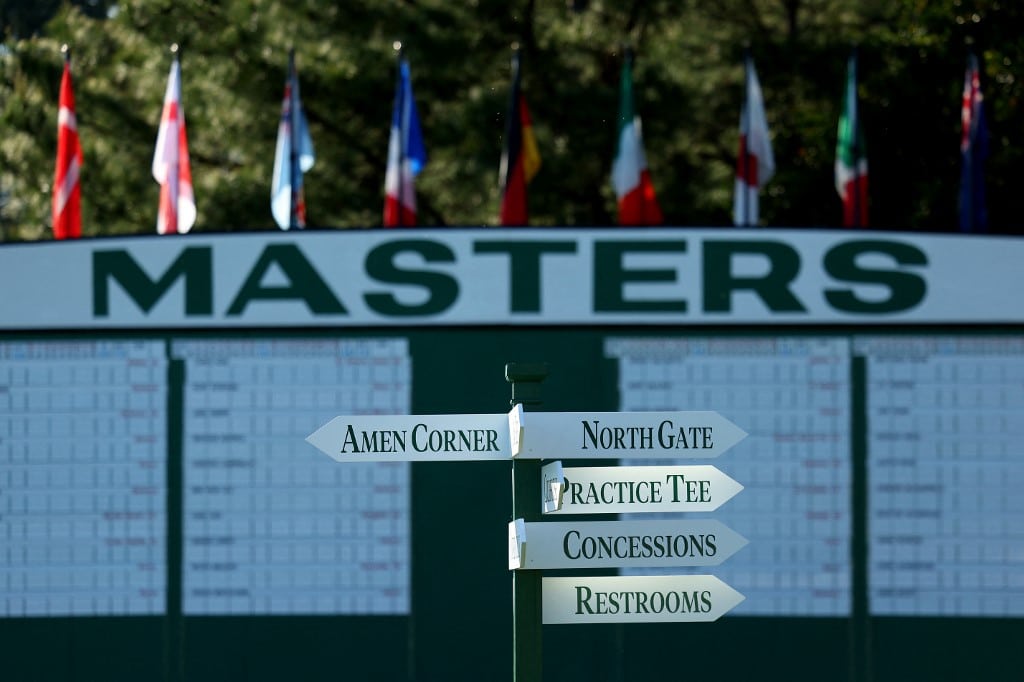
(406, 154)
(973, 152)
(632, 181)
(293, 156)
(851, 155)
(755, 163)
(177, 212)
(520, 159)
(67, 209)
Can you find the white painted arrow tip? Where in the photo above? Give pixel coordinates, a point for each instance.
(515, 429)
(516, 544)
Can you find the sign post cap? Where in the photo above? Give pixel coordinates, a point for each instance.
(526, 379)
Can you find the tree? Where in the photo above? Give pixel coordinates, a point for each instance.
(688, 78)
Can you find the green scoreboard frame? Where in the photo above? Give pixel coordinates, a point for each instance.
(551, 303)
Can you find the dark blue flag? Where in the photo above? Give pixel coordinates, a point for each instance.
(974, 152)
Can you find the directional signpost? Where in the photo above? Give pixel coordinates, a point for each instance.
(527, 438)
(621, 544)
(621, 435)
(637, 599)
(414, 438)
(629, 489)
(634, 489)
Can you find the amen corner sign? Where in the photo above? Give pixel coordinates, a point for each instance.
(538, 435)
(414, 438)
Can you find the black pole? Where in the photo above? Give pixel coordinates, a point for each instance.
(967, 155)
(527, 640)
(511, 121)
(402, 128)
(293, 159)
(858, 151)
(745, 125)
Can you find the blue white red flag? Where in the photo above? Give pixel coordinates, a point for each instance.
(293, 156)
(973, 152)
(407, 154)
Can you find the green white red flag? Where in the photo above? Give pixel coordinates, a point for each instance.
(851, 155)
(631, 179)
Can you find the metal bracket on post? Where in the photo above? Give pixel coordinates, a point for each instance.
(527, 641)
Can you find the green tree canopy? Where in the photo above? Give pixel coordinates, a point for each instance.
(688, 80)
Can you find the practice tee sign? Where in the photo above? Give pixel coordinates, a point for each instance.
(635, 489)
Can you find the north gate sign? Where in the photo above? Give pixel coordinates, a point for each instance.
(509, 276)
(611, 435)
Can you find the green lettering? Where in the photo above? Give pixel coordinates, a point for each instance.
(524, 269)
(304, 283)
(609, 286)
(906, 289)
(442, 289)
(772, 287)
(350, 440)
(194, 265)
(583, 595)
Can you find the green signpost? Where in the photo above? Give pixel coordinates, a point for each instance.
(527, 640)
(528, 438)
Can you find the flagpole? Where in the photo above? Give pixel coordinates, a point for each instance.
(745, 126)
(402, 123)
(967, 155)
(173, 175)
(855, 140)
(293, 155)
(506, 170)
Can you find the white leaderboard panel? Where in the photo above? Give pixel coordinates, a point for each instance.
(82, 478)
(792, 396)
(271, 526)
(946, 475)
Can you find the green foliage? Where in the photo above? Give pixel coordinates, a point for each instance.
(687, 84)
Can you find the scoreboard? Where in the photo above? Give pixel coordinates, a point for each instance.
(161, 514)
(270, 528)
(792, 396)
(83, 448)
(946, 466)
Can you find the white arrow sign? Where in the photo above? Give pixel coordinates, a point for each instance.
(516, 543)
(617, 435)
(620, 544)
(632, 489)
(552, 486)
(636, 599)
(414, 438)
